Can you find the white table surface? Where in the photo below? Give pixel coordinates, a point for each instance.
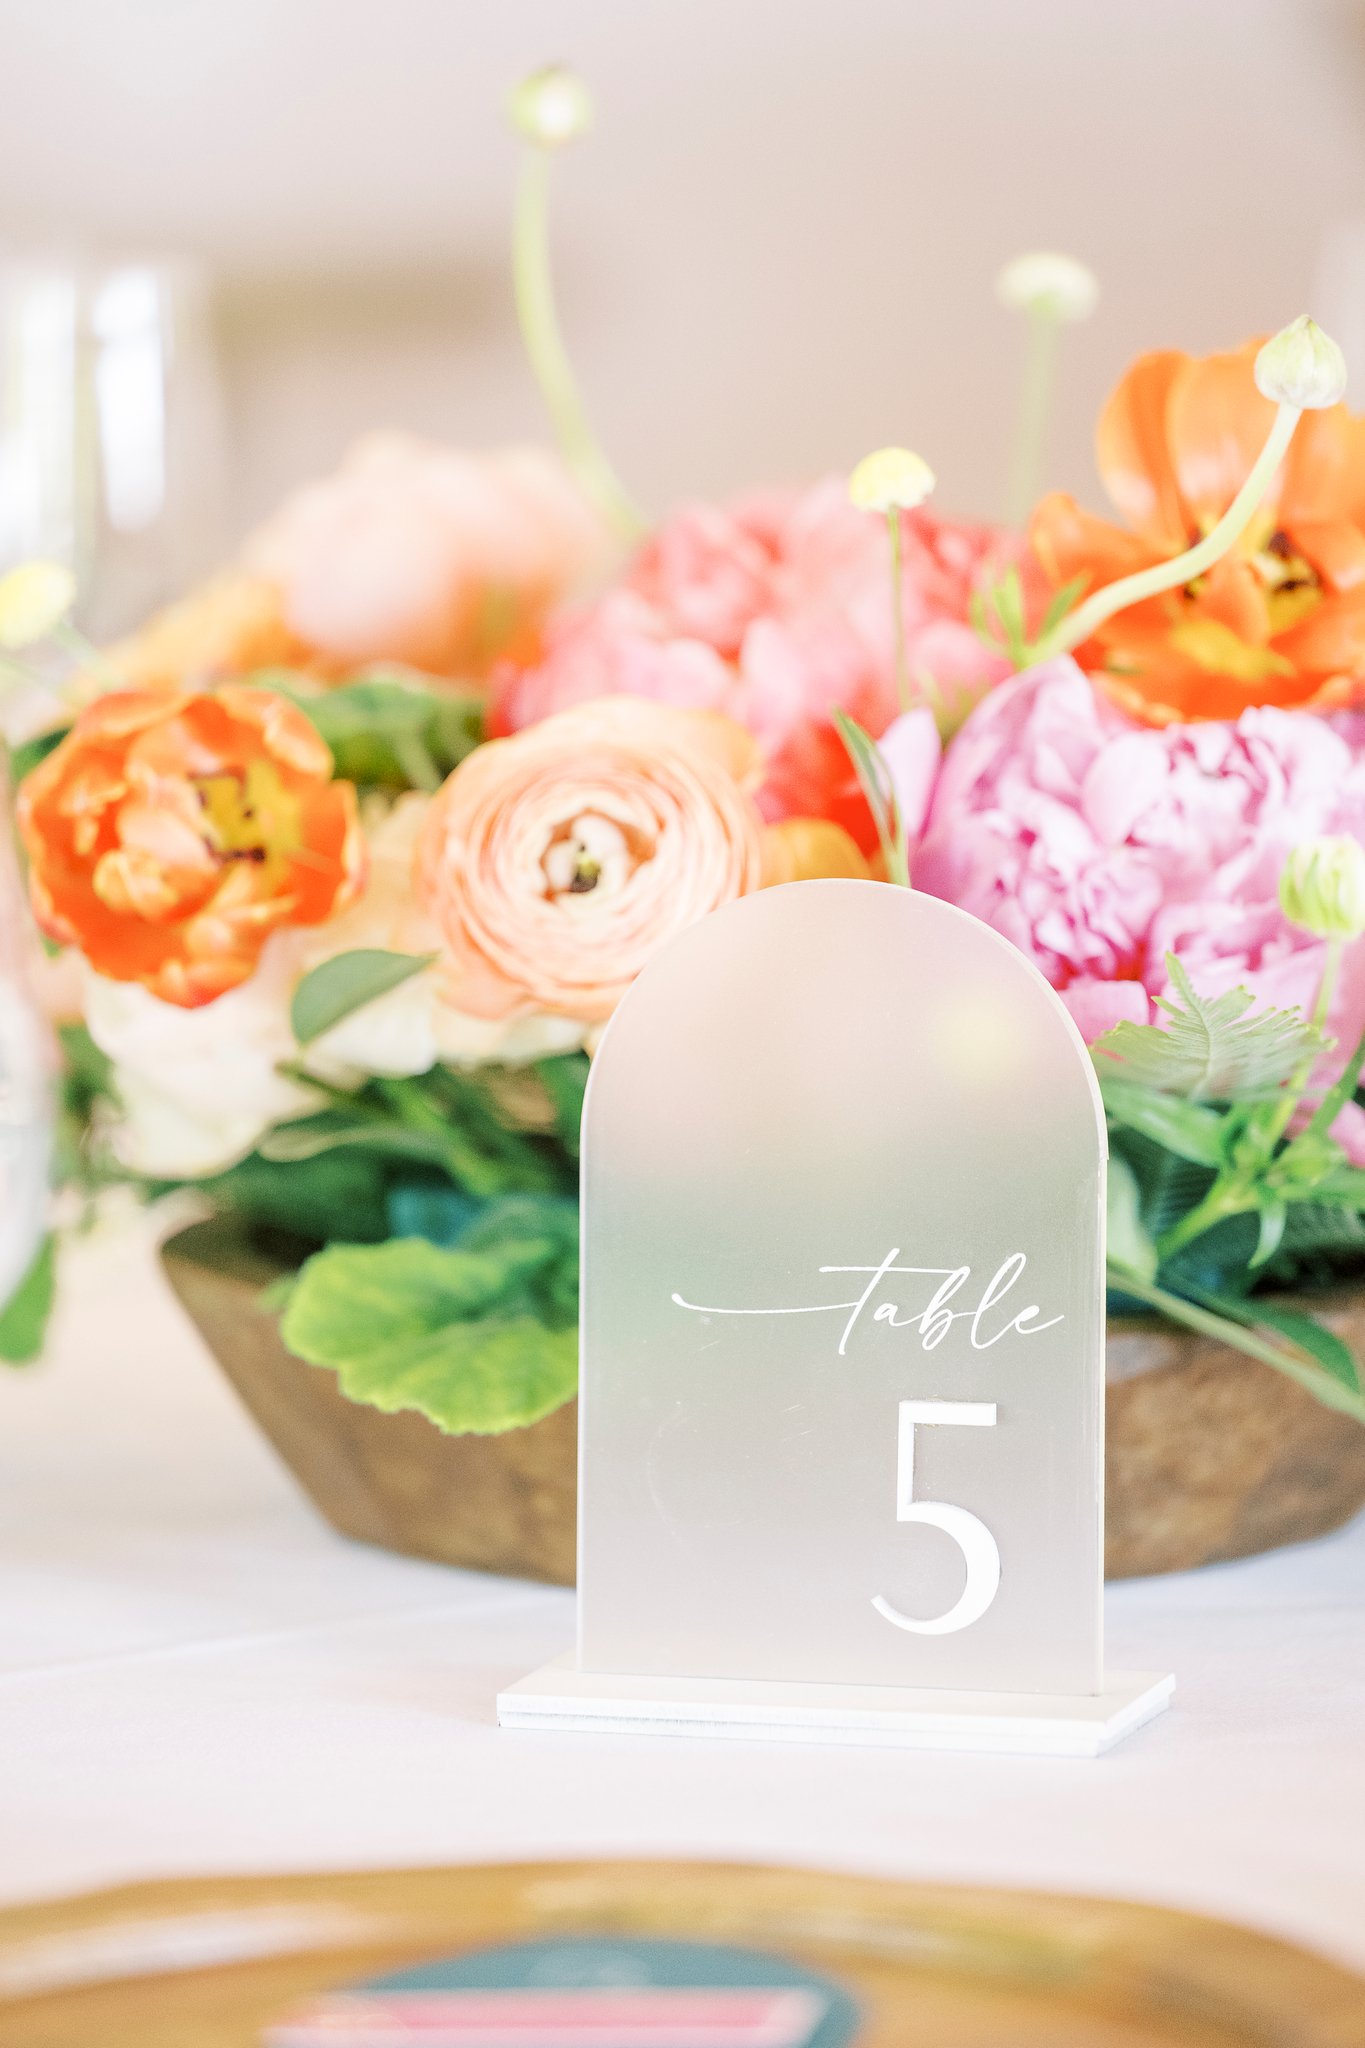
(197, 1676)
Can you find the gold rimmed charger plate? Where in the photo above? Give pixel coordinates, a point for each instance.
(209, 1963)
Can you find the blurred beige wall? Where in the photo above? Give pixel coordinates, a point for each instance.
(777, 248)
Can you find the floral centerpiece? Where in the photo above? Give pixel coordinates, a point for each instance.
(344, 861)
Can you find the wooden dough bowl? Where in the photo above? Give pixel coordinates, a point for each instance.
(1209, 1454)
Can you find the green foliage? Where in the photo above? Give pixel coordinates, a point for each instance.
(309, 1201)
(1188, 1129)
(1227, 1201)
(1130, 1244)
(23, 1318)
(874, 780)
(346, 983)
(565, 1081)
(479, 1337)
(386, 730)
(999, 616)
(22, 758)
(1211, 1050)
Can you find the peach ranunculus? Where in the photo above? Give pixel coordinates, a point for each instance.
(1280, 620)
(171, 832)
(427, 556)
(773, 610)
(556, 863)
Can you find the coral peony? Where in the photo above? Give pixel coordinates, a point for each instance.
(1281, 619)
(425, 555)
(1098, 846)
(555, 863)
(774, 610)
(171, 832)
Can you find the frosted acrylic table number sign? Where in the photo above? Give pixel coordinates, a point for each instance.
(842, 1397)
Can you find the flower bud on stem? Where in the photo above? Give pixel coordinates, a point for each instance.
(1051, 291)
(546, 113)
(1300, 368)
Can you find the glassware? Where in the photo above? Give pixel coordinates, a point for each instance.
(111, 440)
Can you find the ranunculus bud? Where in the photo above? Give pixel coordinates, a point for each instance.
(551, 107)
(1322, 887)
(34, 598)
(892, 480)
(1060, 287)
(1301, 366)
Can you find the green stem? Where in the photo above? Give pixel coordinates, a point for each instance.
(893, 527)
(1220, 1202)
(545, 347)
(1282, 1117)
(1035, 406)
(1078, 626)
(1331, 1392)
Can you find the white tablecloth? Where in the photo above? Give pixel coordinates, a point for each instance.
(196, 1675)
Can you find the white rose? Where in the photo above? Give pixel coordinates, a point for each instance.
(198, 1088)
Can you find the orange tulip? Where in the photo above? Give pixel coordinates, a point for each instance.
(1281, 619)
(171, 832)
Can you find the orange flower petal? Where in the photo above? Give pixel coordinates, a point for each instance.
(808, 849)
(1132, 454)
(125, 859)
(1334, 548)
(1331, 640)
(1234, 596)
(1070, 542)
(1324, 471)
(1216, 423)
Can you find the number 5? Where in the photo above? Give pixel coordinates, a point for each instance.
(972, 1537)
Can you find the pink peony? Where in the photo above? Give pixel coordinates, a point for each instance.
(1099, 846)
(774, 610)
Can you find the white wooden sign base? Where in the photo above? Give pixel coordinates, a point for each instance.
(561, 1697)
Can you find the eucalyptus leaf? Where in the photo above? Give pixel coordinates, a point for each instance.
(1211, 1049)
(345, 983)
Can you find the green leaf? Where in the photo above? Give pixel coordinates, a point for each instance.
(1129, 1244)
(1332, 1353)
(1189, 1129)
(387, 731)
(565, 1080)
(432, 1209)
(339, 1195)
(478, 1340)
(1211, 1049)
(347, 982)
(1271, 1217)
(1062, 601)
(1234, 1322)
(874, 780)
(25, 755)
(23, 1319)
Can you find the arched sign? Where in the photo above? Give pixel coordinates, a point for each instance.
(842, 1386)
(842, 1361)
